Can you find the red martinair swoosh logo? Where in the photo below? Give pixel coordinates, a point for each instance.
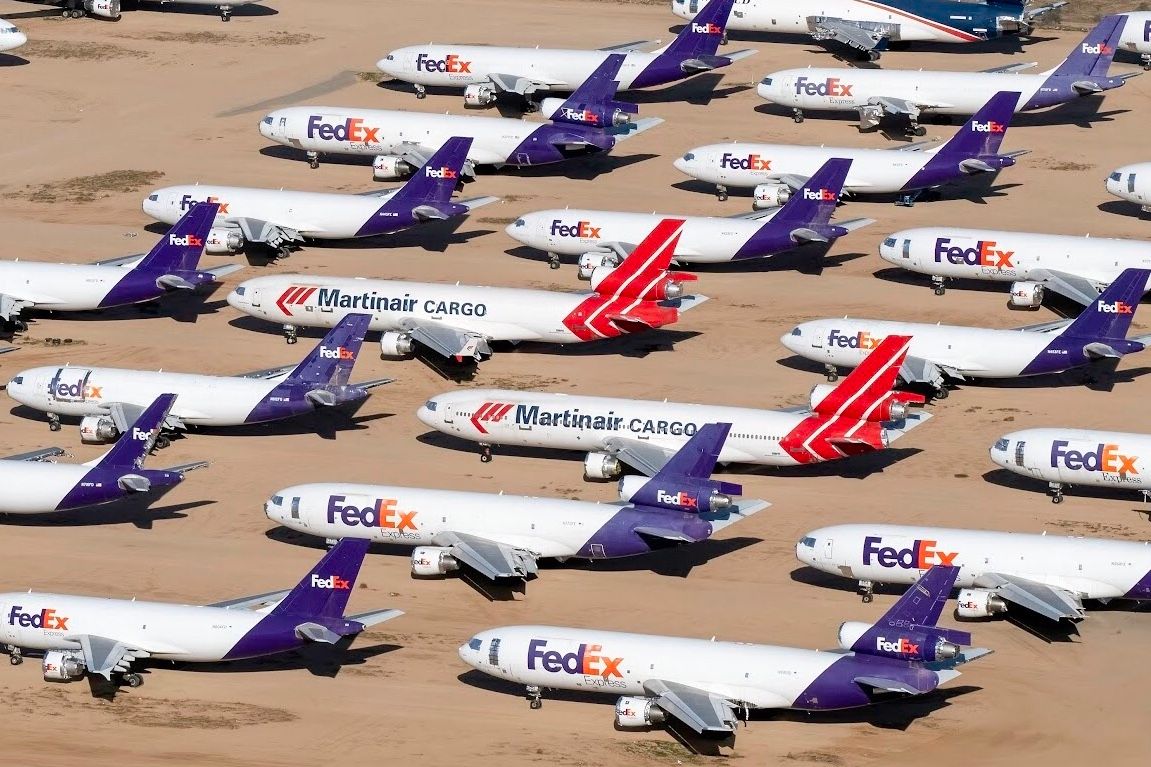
(294, 295)
(492, 412)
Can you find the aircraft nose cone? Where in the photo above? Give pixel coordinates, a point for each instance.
(236, 300)
(789, 342)
(886, 252)
(425, 414)
(265, 128)
(18, 39)
(386, 66)
(683, 166)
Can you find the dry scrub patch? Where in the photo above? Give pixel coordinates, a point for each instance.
(76, 51)
(90, 188)
(225, 38)
(816, 757)
(662, 751)
(370, 77)
(1093, 528)
(523, 382)
(194, 714)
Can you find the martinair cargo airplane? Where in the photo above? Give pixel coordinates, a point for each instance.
(107, 400)
(503, 536)
(171, 265)
(11, 38)
(1089, 458)
(907, 94)
(1078, 268)
(1133, 184)
(30, 484)
(110, 9)
(709, 686)
(279, 218)
(589, 122)
(870, 26)
(601, 237)
(775, 170)
(940, 354)
(485, 71)
(460, 321)
(105, 637)
(860, 415)
(1049, 575)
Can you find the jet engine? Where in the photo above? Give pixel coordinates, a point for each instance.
(105, 9)
(688, 494)
(1026, 295)
(387, 167)
(631, 712)
(770, 196)
(927, 644)
(98, 428)
(433, 560)
(601, 466)
(612, 114)
(589, 262)
(893, 408)
(979, 603)
(670, 286)
(478, 95)
(62, 666)
(222, 241)
(393, 344)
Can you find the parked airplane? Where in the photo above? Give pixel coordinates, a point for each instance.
(601, 237)
(858, 416)
(1078, 268)
(11, 38)
(908, 94)
(172, 264)
(1066, 457)
(30, 484)
(504, 536)
(1133, 184)
(941, 354)
(485, 71)
(774, 170)
(108, 399)
(1137, 35)
(110, 9)
(460, 321)
(709, 686)
(871, 27)
(100, 636)
(279, 218)
(590, 121)
(1049, 575)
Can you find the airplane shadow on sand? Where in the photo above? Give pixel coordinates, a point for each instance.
(1038, 486)
(179, 307)
(12, 60)
(1123, 208)
(806, 259)
(1064, 307)
(142, 512)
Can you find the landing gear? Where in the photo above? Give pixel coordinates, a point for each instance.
(866, 591)
(915, 129)
(939, 284)
(313, 160)
(721, 192)
(225, 13)
(291, 334)
(1146, 58)
(723, 38)
(163, 441)
(553, 260)
(1056, 490)
(73, 10)
(53, 422)
(797, 115)
(831, 372)
(535, 697)
(485, 453)
(15, 655)
(133, 680)
(283, 251)
(940, 392)
(15, 325)
(421, 92)
(907, 199)
(873, 55)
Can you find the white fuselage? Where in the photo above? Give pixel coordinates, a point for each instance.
(1136, 34)
(1132, 183)
(60, 287)
(977, 352)
(762, 676)
(164, 631)
(1005, 256)
(1091, 568)
(949, 93)
(547, 527)
(1078, 457)
(11, 38)
(34, 487)
(315, 215)
(203, 400)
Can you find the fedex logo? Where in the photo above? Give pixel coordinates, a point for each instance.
(585, 661)
(920, 556)
(1105, 458)
(187, 241)
(339, 353)
(140, 435)
(983, 253)
(860, 340)
(75, 391)
(901, 646)
(820, 195)
(382, 515)
(1098, 48)
(989, 127)
(706, 29)
(832, 87)
(751, 162)
(581, 229)
(450, 64)
(1147, 31)
(580, 115)
(332, 583)
(187, 202)
(45, 619)
(443, 173)
(678, 499)
(1115, 307)
(352, 129)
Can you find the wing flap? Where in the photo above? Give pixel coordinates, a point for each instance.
(646, 457)
(1079, 289)
(35, 455)
(698, 709)
(1048, 601)
(448, 341)
(105, 656)
(489, 558)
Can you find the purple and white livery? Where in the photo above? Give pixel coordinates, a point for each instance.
(708, 686)
(105, 637)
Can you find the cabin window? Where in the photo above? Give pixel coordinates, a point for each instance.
(520, 222)
(889, 242)
(154, 198)
(1019, 453)
(1117, 176)
(268, 120)
(494, 652)
(18, 380)
(766, 81)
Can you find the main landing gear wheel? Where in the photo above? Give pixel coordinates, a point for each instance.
(1056, 490)
(940, 286)
(917, 130)
(797, 115)
(485, 453)
(291, 334)
(721, 192)
(832, 373)
(313, 160)
(941, 392)
(133, 680)
(553, 261)
(284, 251)
(535, 697)
(225, 13)
(15, 658)
(866, 591)
(163, 441)
(421, 92)
(53, 422)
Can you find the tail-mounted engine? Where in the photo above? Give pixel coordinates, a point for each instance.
(62, 666)
(633, 712)
(611, 115)
(669, 286)
(105, 9)
(601, 466)
(433, 560)
(682, 494)
(920, 643)
(892, 407)
(593, 260)
(393, 344)
(98, 428)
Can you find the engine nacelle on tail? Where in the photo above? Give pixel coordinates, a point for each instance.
(387, 167)
(1026, 295)
(478, 95)
(631, 712)
(892, 408)
(767, 196)
(589, 262)
(433, 560)
(608, 115)
(62, 666)
(98, 428)
(601, 466)
(925, 644)
(393, 344)
(668, 286)
(222, 241)
(105, 9)
(691, 495)
(979, 603)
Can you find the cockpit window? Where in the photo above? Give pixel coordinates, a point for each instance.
(7, 30)
(154, 197)
(889, 242)
(390, 57)
(240, 290)
(1115, 176)
(796, 332)
(18, 380)
(767, 81)
(430, 405)
(1002, 443)
(521, 222)
(476, 643)
(268, 120)
(278, 500)
(689, 157)
(809, 542)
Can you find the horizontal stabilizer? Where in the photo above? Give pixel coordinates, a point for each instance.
(741, 54)
(478, 202)
(855, 223)
(966, 655)
(255, 600)
(1009, 68)
(1085, 87)
(314, 632)
(35, 455)
(429, 213)
(375, 616)
(803, 235)
(636, 127)
(1100, 350)
(975, 165)
(224, 270)
(890, 685)
(184, 468)
(322, 397)
(366, 385)
(671, 536)
(634, 45)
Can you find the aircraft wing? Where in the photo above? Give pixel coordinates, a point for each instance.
(35, 455)
(637, 45)
(843, 31)
(272, 235)
(7, 349)
(523, 86)
(646, 457)
(698, 709)
(446, 340)
(1009, 68)
(105, 656)
(267, 373)
(489, 558)
(124, 414)
(1048, 601)
(1045, 327)
(477, 202)
(890, 685)
(1079, 289)
(897, 106)
(754, 215)
(375, 616)
(914, 146)
(918, 370)
(794, 181)
(256, 600)
(10, 307)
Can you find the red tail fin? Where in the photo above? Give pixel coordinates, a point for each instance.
(869, 385)
(646, 266)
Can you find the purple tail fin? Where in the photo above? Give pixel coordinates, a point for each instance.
(133, 446)
(181, 248)
(1093, 55)
(684, 483)
(1109, 316)
(701, 35)
(919, 607)
(324, 591)
(593, 102)
(332, 360)
(816, 200)
(437, 179)
(985, 131)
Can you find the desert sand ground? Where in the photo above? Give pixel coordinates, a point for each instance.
(175, 97)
